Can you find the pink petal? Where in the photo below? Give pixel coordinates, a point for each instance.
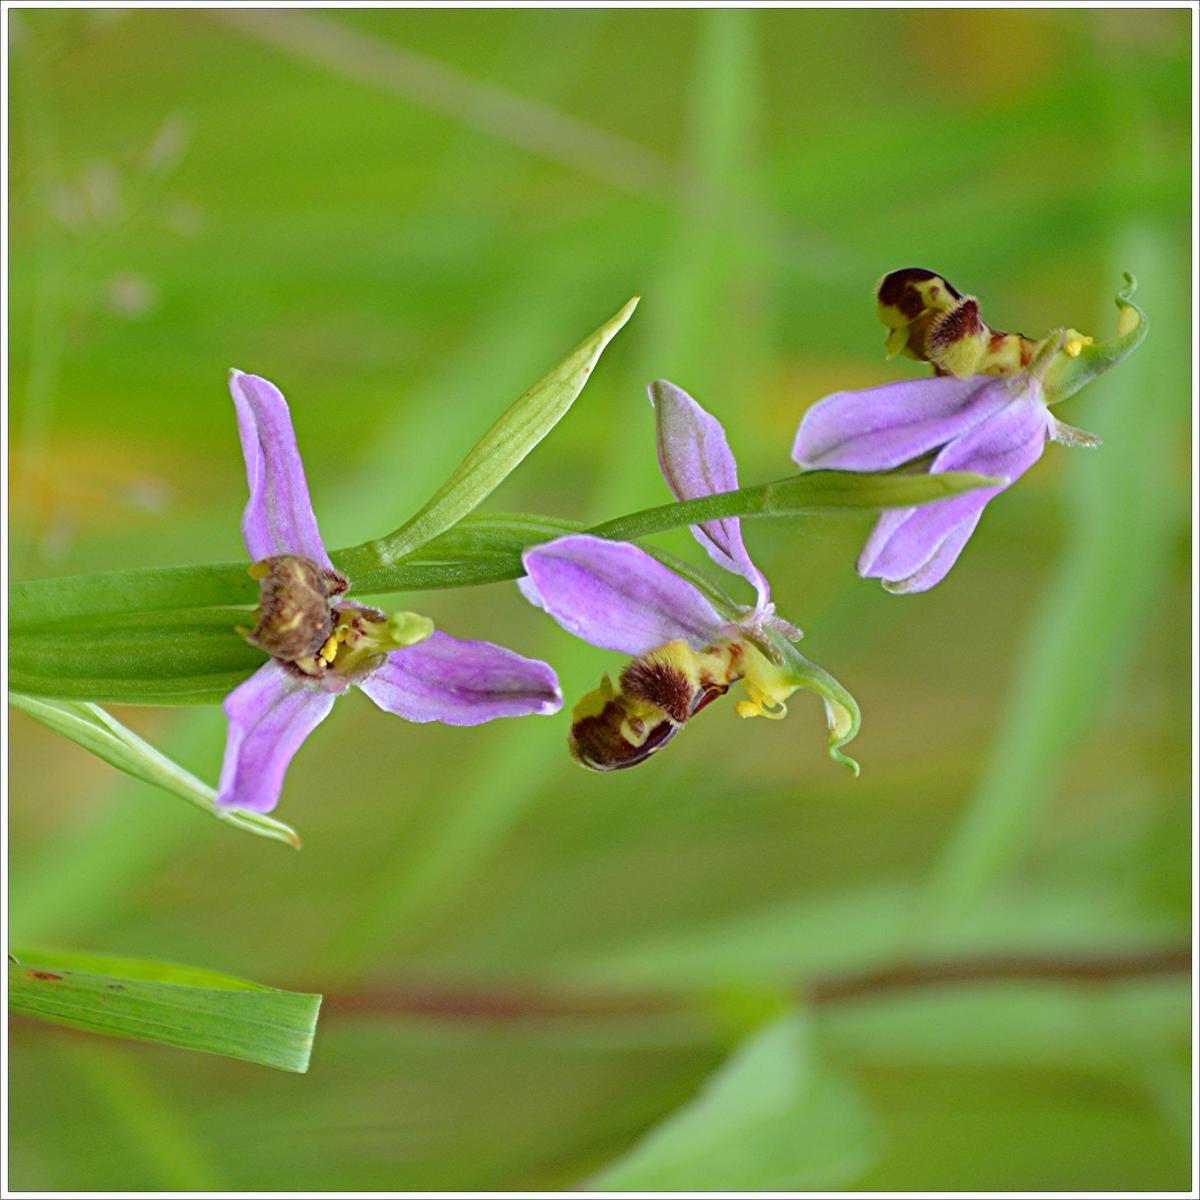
(914, 548)
(885, 427)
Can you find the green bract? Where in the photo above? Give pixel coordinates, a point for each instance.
(504, 446)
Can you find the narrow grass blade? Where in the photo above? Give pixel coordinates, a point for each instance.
(505, 445)
(89, 726)
(39, 604)
(188, 1007)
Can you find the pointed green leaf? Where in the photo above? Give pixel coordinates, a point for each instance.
(89, 726)
(770, 1119)
(39, 604)
(169, 657)
(161, 1002)
(505, 445)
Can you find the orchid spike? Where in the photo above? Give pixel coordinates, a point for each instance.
(321, 642)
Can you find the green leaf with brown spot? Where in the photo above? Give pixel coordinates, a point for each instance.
(173, 1005)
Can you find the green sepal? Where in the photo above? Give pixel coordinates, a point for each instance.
(1066, 375)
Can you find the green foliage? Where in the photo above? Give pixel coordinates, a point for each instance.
(397, 280)
(799, 495)
(180, 656)
(772, 1118)
(173, 1005)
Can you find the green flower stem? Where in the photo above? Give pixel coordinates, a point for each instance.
(476, 551)
(372, 570)
(797, 495)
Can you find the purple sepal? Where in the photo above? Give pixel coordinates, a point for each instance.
(884, 427)
(616, 596)
(269, 717)
(912, 549)
(461, 683)
(278, 517)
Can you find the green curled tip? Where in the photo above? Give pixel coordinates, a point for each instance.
(1067, 374)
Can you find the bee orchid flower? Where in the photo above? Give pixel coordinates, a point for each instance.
(688, 648)
(986, 410)
(320, 642)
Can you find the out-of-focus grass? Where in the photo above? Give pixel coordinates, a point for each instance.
(403, 275)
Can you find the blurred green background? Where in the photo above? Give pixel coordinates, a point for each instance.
(403, 218)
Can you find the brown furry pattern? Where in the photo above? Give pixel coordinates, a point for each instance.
(962, 321)
(660, 683)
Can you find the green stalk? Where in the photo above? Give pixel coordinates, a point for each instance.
(476, 551)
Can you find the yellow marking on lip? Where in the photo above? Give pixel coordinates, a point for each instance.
(765, 686)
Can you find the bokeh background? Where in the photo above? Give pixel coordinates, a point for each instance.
(404, 218)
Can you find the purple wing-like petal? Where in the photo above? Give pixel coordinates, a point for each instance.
(695, 459)
(269, 716)
(616, 596)
(278, 517)
(883, 427)
(914, 548)
(462, 683)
